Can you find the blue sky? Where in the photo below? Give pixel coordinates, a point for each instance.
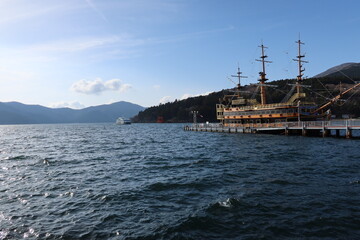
(80, 53)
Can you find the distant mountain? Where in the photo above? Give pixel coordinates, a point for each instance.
(18, 113)
(351, 70)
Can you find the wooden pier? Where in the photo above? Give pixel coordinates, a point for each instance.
(338, 128)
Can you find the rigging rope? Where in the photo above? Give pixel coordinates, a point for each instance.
(288, 95)
(317, 93)
(346, 76)
(255, 92)
(325, 87)
(350, 96)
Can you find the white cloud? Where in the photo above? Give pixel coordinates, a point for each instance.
(98, 86)
(64, 51)
(73, 105)
(7, 74)
(166, 99)
(92, 5)
(185, 96)
(13, 11)
(74, 45)
(156, 87)
(188, 95)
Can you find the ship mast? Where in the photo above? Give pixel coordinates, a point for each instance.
(238, 76)
(299, 57)
(262, 74)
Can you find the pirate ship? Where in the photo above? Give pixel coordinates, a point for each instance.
(236, 110)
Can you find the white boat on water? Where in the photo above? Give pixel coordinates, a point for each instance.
(122, 121)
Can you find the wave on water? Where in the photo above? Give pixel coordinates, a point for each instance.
(156, 181)
(282, 182)
(230, 202)
(18, 157)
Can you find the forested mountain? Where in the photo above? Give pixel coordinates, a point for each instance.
(319, 90)
(180, 111)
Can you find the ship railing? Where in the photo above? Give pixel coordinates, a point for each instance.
(266, 106)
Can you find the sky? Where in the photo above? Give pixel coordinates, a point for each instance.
(81, 53)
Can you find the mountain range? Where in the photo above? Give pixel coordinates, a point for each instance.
(18, 113)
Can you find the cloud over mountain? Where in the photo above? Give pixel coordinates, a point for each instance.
(73, 105)
(187, 95)
(98, 86)
(165, 99)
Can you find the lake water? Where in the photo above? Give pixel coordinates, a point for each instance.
(156, 181)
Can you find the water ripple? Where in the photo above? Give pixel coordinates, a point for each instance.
(155, 181)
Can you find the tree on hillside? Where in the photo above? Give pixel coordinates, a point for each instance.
(320, 90)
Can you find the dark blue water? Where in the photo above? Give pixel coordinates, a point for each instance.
(156, 181)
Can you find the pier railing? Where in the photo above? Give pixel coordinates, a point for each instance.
(341, 124)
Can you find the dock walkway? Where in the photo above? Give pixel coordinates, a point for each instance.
(305, 128)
